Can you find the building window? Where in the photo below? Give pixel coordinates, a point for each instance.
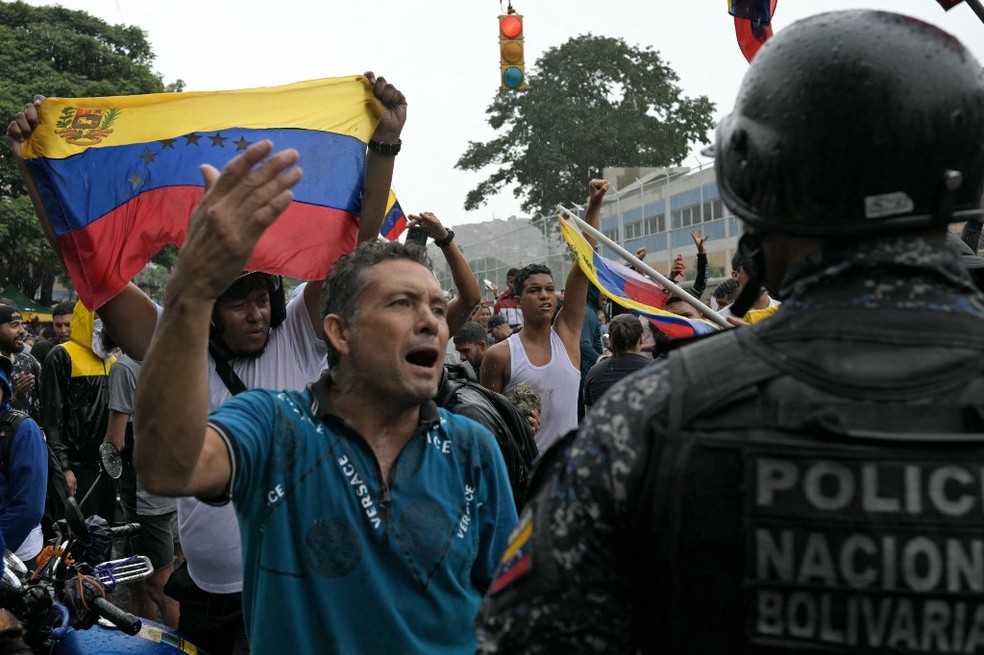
(708, 209)
(655, 224)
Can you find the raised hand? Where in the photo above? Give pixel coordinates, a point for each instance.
(431, 223)
(699, 239)
(596, 191)
(239, 204)
(23, 125)
(394, 103)
(679, 267)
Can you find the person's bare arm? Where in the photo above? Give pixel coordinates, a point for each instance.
(496, 367)
(571, 317)
(379, 168)
(176, 454)
(116, 429)
(469, 296)
(379, 177)
(18, 131)
(131, 318)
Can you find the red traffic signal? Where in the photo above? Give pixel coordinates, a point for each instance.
(511, 62)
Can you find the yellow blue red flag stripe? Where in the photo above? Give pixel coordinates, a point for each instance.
(119, 176)
(629, 289)
(517, 560)
(395, 221)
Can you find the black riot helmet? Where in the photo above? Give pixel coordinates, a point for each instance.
(855, 122)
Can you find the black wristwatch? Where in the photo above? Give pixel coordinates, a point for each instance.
(386, 149)
(446, 241)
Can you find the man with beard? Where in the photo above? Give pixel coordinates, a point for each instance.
(26, 375)
(371, 521)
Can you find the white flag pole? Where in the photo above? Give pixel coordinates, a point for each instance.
(644, 268)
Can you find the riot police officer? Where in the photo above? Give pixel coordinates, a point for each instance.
(814, 483)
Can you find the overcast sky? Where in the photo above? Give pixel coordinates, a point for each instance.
(444, 55)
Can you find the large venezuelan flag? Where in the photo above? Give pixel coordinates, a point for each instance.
(120, 176)
(629, 289)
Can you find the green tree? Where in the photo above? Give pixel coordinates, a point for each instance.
(592, 102)
(56, 52)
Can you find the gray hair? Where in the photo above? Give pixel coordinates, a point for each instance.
(347, 281)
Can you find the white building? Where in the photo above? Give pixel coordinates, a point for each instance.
(657, 209)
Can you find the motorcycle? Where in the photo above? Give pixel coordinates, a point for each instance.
(62, 606)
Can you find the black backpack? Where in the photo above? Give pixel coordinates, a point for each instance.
(511, 430)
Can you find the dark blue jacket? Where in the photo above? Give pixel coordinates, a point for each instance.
(22, 492)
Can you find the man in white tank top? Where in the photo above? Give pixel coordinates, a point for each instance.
(546, 353)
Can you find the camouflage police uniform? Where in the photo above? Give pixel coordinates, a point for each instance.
(814, 483)
(595, 584)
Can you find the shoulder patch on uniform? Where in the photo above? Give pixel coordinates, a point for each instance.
(517, 560)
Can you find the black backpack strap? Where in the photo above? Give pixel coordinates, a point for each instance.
(446, 389)
(224, 369)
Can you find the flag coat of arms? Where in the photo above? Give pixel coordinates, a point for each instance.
(119, 176)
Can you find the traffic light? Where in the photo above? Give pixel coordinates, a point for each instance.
(511, 63)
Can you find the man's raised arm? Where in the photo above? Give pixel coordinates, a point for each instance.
(469, 295)
(571, 317)
(379, 163)
(176, 455)
(392, 107)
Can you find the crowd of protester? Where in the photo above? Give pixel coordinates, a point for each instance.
(364, 446)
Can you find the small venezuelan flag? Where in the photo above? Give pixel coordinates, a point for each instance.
(395, 221)
(119, 176)
(517, 560)
(629, 289)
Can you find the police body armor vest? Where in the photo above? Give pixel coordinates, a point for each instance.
(778, 517)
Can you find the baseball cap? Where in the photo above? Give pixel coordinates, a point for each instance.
(7, 314)
(497, 320)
